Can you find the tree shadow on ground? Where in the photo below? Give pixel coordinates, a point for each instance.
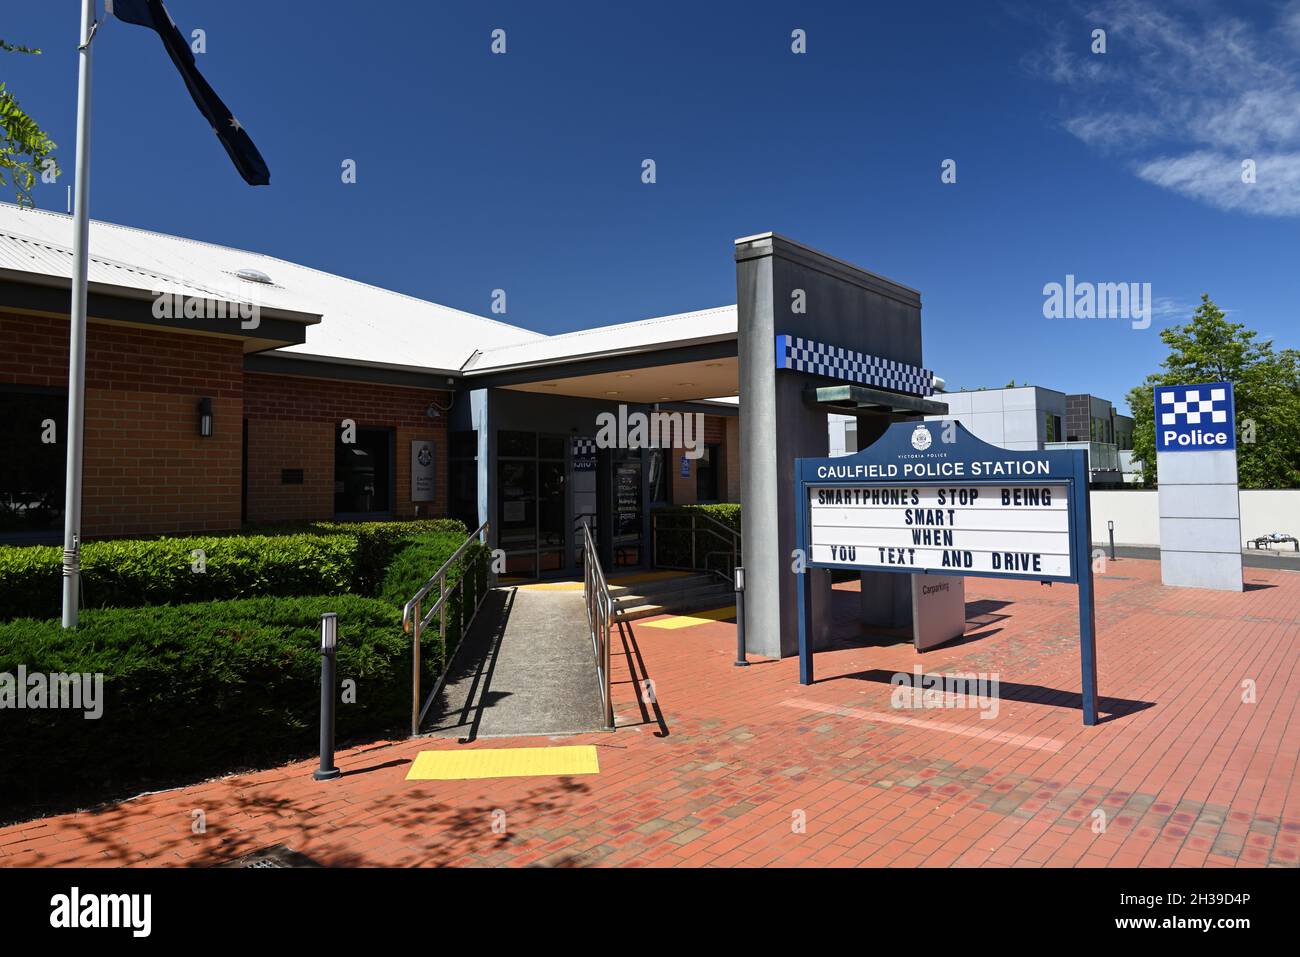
(404, 827)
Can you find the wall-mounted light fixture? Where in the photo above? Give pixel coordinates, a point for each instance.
(205, 418)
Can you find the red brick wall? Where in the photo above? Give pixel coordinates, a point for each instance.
(292, 422)
(684, 489)
(146, 469)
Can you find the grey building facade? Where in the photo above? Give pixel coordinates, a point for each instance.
(1025, 418)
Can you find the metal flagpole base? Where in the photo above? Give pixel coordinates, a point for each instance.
(329, 775)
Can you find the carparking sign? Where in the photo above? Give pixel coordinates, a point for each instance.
(1195, 418)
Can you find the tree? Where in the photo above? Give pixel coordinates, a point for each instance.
(1266, 384)
(25, 149)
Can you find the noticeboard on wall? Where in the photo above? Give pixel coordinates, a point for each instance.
(422, 471)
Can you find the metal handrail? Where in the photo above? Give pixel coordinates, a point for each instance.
(600, 614)
(721, 531)
(413, 621)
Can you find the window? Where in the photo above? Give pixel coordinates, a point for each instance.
(363, 473)
(707, 467)
(33, 428)
(463, 478)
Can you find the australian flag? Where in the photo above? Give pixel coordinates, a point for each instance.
(152, 14)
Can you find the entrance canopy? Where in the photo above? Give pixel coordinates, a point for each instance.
(681, 358)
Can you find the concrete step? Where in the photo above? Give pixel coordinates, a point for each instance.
(664, 585)
(685, 601)
(685, 593)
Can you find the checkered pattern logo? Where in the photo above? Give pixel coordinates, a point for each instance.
(1195, 418)
(584, 454)
(1194, 406)
(818, 358)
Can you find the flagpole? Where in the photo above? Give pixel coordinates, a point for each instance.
(77, 332)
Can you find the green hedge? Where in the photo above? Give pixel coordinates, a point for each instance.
(123, 573)
(377, 542)
(197, 689)
(423, 556)
(304, 559)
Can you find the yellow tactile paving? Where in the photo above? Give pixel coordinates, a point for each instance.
(503, 763)
(616, 580)
(685, 621)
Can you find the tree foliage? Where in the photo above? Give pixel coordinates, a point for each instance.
(25, 149)
(1266, 384)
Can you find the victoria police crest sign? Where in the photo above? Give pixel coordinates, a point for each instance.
(921, 438)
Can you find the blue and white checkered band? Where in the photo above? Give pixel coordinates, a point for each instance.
(818, 358)
(1194, 406)
(584, 454)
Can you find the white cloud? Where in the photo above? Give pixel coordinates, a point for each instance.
(1215, 178)
(1185, 97)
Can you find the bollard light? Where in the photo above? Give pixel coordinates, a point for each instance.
(740, 618)
(329, 639)
(329, 632)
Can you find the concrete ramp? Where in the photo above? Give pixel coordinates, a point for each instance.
(526, 667)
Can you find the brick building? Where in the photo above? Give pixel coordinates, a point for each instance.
(227, 388)
(282, 360)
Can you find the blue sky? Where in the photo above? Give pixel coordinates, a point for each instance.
(523, 171)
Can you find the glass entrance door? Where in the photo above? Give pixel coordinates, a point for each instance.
(531, 485)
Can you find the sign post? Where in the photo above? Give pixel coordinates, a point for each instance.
(930, 498)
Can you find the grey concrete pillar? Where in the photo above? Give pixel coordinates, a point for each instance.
(1200, 519)
(785, 288)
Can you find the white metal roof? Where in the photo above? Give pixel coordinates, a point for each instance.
(684, 329)
(361, 324)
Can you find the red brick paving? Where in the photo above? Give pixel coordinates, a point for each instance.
(750, 769)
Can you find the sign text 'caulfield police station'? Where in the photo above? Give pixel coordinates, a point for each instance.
(956, 518)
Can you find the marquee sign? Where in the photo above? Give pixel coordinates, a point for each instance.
(931, 498)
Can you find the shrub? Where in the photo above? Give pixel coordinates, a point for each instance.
(198, 689)
(417, 562)
(378, 542)
(304, 559)
(119, 573)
